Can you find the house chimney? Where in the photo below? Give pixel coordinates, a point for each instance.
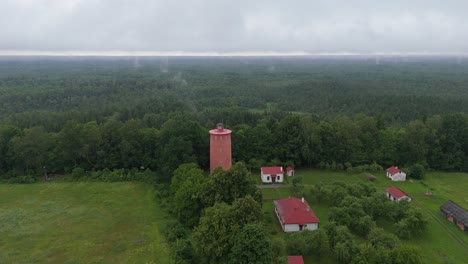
(302, 199)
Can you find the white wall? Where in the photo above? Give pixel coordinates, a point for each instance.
(296, 228)
(266, 178)
(401, 176)
(405, 198)
(311, 226)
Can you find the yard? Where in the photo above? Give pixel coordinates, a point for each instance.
(81, 223)
(442, 243)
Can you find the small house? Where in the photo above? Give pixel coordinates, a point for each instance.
(290, 171)
(395, 174)
(295, 260)
(295, 215)
(272, 174)
(395, 194)
(455, 214)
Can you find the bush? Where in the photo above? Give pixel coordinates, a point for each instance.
(183, 251)
(77, 173)
(24, 179)
(175, 231)
(417, 171)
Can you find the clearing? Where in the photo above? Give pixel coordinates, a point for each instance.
(81, 222)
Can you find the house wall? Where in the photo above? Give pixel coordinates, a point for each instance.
(266, 178)
(389, 196)
(290, 173)
(291, 228)
(405, 198)
(296, 228)
(311, 226)
(401, 176)
(279, 177)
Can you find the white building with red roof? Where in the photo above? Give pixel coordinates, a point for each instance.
(272, 174)
(295, 260)
(395, 194)
(295, 214)
(395, 174)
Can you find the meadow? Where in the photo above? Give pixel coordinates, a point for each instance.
(81, 222)
(442, 243)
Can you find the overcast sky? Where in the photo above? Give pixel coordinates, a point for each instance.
(234, 26)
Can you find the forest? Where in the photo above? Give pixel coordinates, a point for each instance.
(153, 113)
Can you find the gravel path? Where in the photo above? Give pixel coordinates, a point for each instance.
(273, 186)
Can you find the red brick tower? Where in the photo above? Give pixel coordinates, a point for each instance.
(220, 148)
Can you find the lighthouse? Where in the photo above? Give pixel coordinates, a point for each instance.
(220, 148)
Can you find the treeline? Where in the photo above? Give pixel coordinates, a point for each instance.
(162, 143)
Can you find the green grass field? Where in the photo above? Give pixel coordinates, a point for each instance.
(442, 243)
(81, 223)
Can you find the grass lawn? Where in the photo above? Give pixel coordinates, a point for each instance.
(81, 223)
(442, 243)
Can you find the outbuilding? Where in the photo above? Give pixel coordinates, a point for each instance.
(272, 174)
(395, 194)
(395, 174)
(295, 214)
(290, 171)
(455, 214)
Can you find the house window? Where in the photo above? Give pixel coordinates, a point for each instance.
(268, 178)
(278, 178)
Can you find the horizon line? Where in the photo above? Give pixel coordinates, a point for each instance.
(119, 53)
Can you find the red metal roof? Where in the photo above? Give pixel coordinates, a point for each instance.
(289, 168)
(393, 170)
(272, 170)
(395, 192)
(295, 260)
(294, 211)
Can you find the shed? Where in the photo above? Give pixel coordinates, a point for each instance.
(455, 214)
(395, 194)
(395, 174)
(290, 171)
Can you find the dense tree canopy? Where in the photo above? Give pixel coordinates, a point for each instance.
(104, 113)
